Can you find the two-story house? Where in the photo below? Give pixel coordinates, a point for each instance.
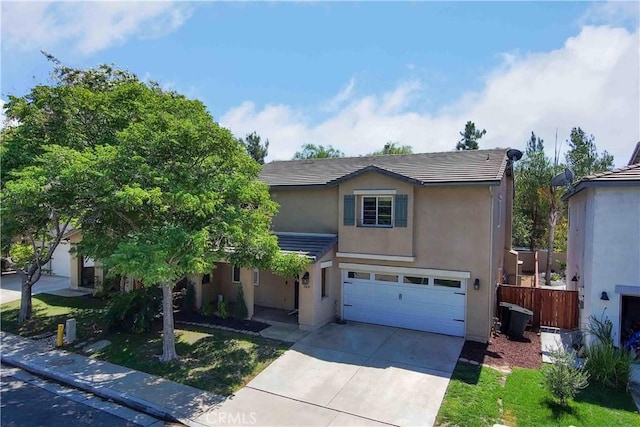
(415, 241)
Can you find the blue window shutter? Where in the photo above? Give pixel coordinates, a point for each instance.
(401, 207)
(349, 209)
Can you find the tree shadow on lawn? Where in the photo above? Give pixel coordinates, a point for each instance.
(48, 311)
(218, 361)
(559, 410)
(596, 394)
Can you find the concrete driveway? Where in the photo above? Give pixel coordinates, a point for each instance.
(355, 374)
(10, 285)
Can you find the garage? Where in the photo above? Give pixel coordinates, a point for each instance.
(421, 299)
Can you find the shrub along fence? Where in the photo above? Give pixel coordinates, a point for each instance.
(551, 307)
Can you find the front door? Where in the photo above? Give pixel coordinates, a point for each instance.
(296, 296)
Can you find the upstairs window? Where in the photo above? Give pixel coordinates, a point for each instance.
(235, 274)
(376, 210)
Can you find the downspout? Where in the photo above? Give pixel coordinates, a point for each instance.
(491, 281)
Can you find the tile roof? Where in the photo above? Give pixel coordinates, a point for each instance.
(313, 246)
(453, 167)
(626, 176)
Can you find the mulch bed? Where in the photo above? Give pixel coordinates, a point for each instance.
(229, 322)
(502, 352)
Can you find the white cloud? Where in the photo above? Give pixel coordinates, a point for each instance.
(615, 13)
(87, 26)
(591, 82)
(343, 96)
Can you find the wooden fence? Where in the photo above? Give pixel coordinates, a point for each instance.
(555, 308)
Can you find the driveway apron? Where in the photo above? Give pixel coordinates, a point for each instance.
(355, 374)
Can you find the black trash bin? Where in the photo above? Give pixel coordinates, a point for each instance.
(505, 316)
(518, 321)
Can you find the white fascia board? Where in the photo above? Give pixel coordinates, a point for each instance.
(326, 264)
(407, 271)
(293, 233)
(376, 257)
(373, 192)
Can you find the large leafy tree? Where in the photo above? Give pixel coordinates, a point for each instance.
(392, 148)
(582, 157)
(470, 137)
(168, 191)
(312, 151)
(256, 149)
(39, 199)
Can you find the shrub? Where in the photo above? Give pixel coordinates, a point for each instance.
(223, 310)
(207, 309)
(133, 311)
(241, 310)
(562, 378)
(608, 365)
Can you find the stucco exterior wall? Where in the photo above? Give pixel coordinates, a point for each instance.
(322, 310)
(274, 291)
(306, 211)
(396, 241)
(604, 248)
(453, 232)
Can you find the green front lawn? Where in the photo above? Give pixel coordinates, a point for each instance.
(213, 360)
(51, 310)
(217, 361)
(476, 397)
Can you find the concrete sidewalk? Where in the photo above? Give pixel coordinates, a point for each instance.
(146, 393)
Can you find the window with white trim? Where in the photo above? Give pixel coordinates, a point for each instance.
(377, 211)
(235, 274)
(256, 277)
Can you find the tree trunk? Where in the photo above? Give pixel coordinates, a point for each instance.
(553, 218)
(25, 301)
(168, 336)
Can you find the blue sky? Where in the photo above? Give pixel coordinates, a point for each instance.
(356, 75)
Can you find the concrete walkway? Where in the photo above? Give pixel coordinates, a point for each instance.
(10, 285)
(146, 393)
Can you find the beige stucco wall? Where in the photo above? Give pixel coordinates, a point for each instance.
(453, 232)
(316, 310)
(274, 291)
(306, 211)
(528, 261)
(375, 240)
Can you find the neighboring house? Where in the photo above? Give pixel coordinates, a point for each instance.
(603, 251)
(80, 271)
(414, 241)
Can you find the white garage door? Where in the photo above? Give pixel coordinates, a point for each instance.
(431, 304)
(61, 260)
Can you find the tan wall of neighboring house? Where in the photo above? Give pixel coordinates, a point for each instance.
(306, 211)
(528, 261)
(396, 241)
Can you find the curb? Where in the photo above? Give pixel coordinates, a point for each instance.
(132, 402)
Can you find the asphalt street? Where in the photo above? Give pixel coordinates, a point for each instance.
(26, 400)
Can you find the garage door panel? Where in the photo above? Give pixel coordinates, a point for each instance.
(424, 308)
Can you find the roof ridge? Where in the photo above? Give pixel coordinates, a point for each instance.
(611, 172)
(391, 155)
